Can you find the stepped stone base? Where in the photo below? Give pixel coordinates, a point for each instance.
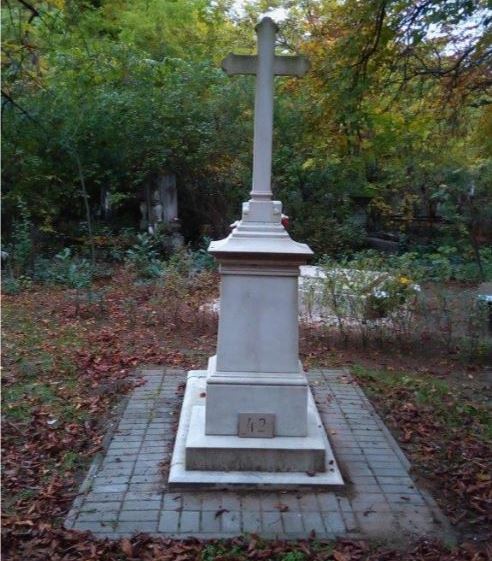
(209, 461)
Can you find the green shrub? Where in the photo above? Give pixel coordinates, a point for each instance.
(293, 556)
(364, 288)
(441, 264)
(202, 259)
(180, 263)
(143, 257)
(64, 269)
(10, 285)
(21, 249)
(329, 235)
(447, 262)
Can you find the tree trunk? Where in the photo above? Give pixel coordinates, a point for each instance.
(85, 196)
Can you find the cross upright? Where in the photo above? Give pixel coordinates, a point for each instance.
(265, 65)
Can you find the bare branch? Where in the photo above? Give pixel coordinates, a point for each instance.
(31, 8)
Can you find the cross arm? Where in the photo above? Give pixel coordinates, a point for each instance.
(282, 66)
(239, 64)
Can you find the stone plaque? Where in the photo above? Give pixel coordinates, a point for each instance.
(256, 425)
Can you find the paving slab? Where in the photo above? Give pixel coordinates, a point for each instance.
(126, 490)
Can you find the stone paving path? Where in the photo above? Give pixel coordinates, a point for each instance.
(125, 489)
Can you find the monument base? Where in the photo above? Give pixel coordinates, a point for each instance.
(232, 453)
(206, 461)
(280, 394)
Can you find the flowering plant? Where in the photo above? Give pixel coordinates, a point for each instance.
(393, 293)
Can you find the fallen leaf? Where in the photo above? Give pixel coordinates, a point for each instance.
(126, 547)
(339, 556)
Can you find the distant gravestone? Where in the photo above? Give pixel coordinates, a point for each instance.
(160, 207)
(168, 198)
(105, 209)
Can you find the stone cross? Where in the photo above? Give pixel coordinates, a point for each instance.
(265, 65)
(255, 387)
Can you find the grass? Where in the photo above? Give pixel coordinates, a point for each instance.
(449, 406)
(33, 390)
(19, 398)
(38, 365)
(223, 550)
(70, 461)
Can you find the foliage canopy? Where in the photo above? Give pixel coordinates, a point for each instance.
(396, 111)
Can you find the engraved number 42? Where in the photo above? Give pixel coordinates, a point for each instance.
(260, 427)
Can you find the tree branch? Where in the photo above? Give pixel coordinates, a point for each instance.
(8, 99)
(32, 9)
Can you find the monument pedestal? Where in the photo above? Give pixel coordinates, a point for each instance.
(251, 419)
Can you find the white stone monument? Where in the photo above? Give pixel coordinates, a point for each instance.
(250, 420)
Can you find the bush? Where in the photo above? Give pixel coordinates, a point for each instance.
(326, 235)
(11, 285)
(64, 269)
(365, 287)
(376, 299)
(449, 263)
(21, 249)
(202, 259)
(360, 295)
(143, 257)
(442, 264)
(454, 320)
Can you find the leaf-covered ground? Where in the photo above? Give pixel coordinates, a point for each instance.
(447, 435)
(65, 371)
